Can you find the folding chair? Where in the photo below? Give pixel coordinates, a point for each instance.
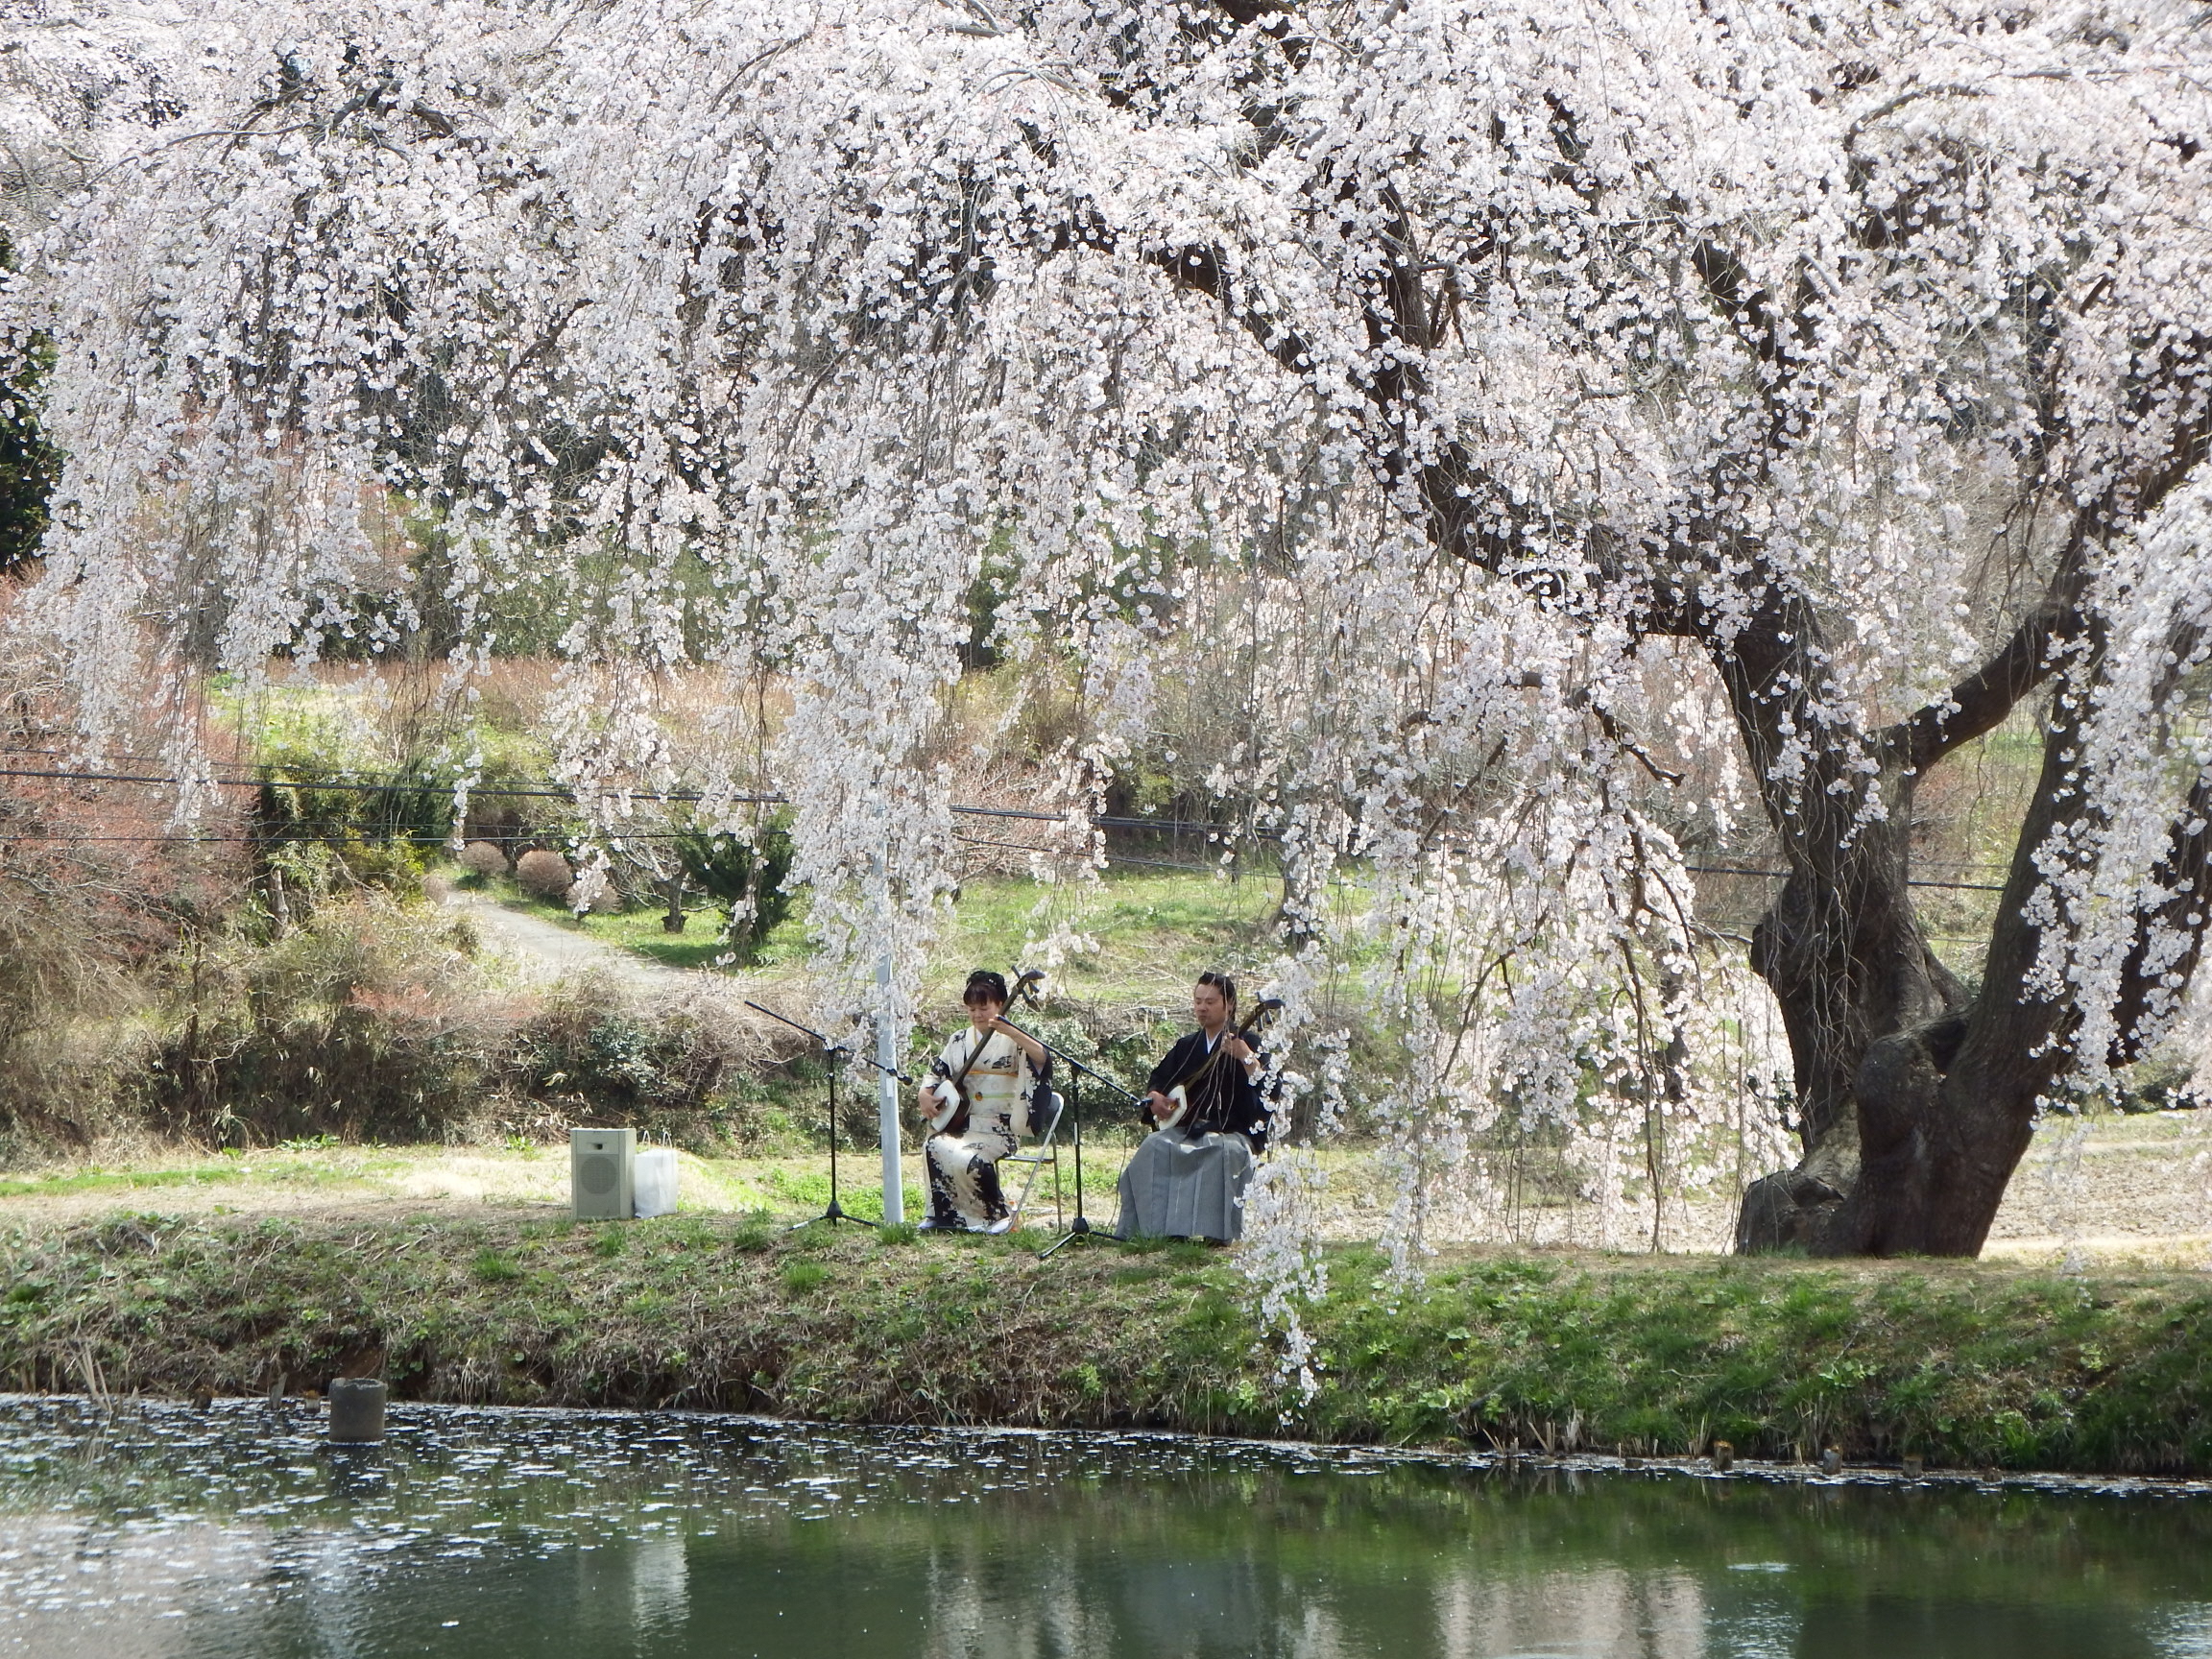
(1046, 1110)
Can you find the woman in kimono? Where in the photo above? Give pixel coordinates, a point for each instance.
(1188, 1181)
(1003, 1066)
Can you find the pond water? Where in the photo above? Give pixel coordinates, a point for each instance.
(158, 1530)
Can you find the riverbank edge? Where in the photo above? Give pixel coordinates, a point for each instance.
(1966, 1367)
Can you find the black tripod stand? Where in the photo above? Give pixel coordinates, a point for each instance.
(835, 1051)
(1081, 1227)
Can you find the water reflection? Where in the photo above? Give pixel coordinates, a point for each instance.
(496, 1535)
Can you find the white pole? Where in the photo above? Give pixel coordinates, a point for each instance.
(887, 1097)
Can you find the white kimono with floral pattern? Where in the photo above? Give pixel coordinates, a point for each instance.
(964, 1189)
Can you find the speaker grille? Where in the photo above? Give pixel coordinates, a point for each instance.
(599, 1173)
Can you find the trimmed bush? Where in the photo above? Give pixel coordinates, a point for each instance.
(544, 875)
(607, 902)
(484, 858)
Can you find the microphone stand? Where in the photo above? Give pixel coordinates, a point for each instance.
(837, 1212)
(1080, 1227)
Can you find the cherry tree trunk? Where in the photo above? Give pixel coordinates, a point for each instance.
(1918, 1099)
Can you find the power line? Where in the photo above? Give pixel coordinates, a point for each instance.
(413, 784)
(552, 790)
(1109, 857)
(334, 786)
(1103, 821)
(283, 836)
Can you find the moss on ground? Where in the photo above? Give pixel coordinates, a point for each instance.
(1965, 1365)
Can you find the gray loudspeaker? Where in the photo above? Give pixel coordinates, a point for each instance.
(602, 1173)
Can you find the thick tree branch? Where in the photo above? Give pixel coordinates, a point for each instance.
(1468, 518)
(1467, 514)
(1775, 342)
(1979, 703)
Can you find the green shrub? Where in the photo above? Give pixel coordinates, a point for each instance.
(369, 1023)
(745, 877)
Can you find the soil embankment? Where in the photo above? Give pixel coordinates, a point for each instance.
(1965, 1365)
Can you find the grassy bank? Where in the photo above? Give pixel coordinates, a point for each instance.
(1964, 1366)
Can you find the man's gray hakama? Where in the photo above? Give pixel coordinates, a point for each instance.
(1182, 1186)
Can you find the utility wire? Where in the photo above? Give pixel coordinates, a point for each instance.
(276, 837)
(1103, 821)
(1783, 875)
(412, 784)
(1110, 857)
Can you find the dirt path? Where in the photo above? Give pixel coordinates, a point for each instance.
(537, 942)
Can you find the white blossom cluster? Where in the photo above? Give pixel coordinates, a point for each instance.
(1530, 354)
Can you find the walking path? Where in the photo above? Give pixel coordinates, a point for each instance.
(563, 950)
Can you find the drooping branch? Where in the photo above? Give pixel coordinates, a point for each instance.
(1779, 344)
(2152, 977)
(1467, 515)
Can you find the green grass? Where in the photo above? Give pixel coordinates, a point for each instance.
(1963, 1364)
(809, 1190)
(1156, 930)
(217, 1170)
(110, 1181)
(1966, 1365)
(756, 1232)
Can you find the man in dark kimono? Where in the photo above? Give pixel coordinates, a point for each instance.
(1188, 1181)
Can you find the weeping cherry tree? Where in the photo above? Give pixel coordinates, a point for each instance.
(1845, 363)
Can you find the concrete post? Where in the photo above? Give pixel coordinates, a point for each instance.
(358, 1409)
